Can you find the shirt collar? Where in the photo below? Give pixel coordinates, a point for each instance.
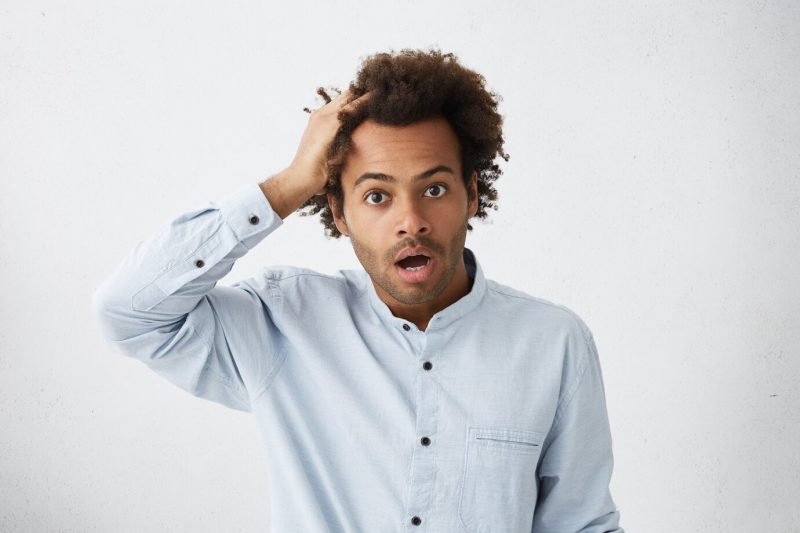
(446, 316)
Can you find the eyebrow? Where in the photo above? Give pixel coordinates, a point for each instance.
(385, 177)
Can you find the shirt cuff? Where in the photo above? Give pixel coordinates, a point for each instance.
(249, 214)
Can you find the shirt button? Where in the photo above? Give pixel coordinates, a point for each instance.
(199, 263)
(406, 327)
(254, 219)
(427, 365)
(425, 441)
(416, 520)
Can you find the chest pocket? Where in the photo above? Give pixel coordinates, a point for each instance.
(498, 486)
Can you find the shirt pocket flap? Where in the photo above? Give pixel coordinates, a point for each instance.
(499, 486)
(513, 439)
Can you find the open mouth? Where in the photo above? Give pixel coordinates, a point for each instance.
(413, 263)
(417, 266)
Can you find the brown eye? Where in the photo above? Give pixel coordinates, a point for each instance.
(372, 196)
(438, 190)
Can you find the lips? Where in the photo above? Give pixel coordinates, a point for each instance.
(417, 274)
(408, 252)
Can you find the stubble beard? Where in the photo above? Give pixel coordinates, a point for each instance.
(381, 271)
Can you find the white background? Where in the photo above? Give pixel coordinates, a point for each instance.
(652, 188)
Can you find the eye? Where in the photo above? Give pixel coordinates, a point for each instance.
(372, 195)
(439, 189)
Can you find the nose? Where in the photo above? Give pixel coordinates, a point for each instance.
(411, 220)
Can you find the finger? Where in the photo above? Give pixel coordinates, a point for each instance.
(337, 102)
(355, 104)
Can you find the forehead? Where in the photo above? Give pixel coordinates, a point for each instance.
(401, 151)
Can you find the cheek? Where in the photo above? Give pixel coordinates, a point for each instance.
(368, 227)
(368, 220)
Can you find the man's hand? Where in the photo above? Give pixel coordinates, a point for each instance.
(321, 128)
(306, 176)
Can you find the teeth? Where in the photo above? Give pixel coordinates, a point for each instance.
(415, 268)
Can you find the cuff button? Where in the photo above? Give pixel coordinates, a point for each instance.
(199, 263)
(254, 219)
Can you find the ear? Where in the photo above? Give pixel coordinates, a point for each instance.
(338, 215)
(472, 195)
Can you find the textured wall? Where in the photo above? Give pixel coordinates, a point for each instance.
(653, 188)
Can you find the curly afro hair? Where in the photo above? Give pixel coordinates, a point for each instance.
(410, 86)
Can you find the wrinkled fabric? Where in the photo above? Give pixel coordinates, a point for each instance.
(493, 419)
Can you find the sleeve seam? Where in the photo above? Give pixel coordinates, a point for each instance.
(570, 395)
(581, 373)
(269, 378)
(283, 353)
(228, 382)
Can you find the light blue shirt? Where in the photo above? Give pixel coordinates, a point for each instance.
(493, 419)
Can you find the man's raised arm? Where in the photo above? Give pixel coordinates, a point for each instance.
(161, 304)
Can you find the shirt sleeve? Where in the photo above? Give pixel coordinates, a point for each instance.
(161, 305)
(577, 461)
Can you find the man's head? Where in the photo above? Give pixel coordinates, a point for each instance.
(409, 168)
(410, 86)
(404, 194)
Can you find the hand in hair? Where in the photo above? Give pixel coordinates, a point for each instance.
(306, 176)
(309, 162)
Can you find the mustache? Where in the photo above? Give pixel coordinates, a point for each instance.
(428, 243)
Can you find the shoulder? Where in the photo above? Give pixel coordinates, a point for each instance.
(289, 274)
(541, 312)
(551, 328)
(298, 282)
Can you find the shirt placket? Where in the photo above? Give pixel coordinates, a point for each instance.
(423, 461)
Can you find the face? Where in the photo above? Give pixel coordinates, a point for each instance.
(403, 189)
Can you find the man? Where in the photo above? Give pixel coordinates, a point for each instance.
(415, 395)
